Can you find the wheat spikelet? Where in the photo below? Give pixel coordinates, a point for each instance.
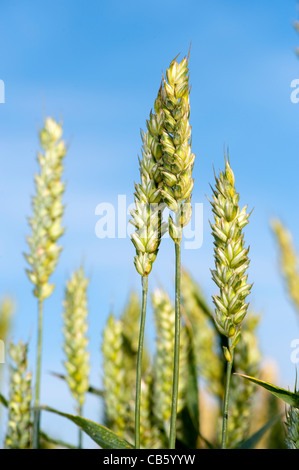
(288, 260)
(163, 361)
(19, 424)
(75, 339)
(231, 258)
(47, 210)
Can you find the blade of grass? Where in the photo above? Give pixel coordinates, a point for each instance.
(98, 433)
(292, 398)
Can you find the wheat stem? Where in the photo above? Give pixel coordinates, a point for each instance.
(36, 421)
(175, 385)
(139, 361)
(229, 366)
(80, 435)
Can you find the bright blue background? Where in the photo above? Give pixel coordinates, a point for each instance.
(97, 65)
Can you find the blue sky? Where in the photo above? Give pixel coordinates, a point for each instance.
(97, 65)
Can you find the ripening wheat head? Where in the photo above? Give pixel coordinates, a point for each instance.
(147, 215)
(75, 339)
(177, 158)
(117, 396)
(231, 258)
(47, 210)
(19, 404)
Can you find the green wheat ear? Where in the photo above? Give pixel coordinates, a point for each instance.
(231, 263)
(231, 258)
(18, 434)
(75, 339)
(177, 158)
(114, 379)
(47, 210)
(292, 424)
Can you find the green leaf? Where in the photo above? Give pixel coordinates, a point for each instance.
(100, 434)
(3, 400)
(292, 398)
(253, 440)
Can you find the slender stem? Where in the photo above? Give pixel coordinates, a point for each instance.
(80, 435)
(176, 362)
(139, 362)
(229, 366)
(36, 419)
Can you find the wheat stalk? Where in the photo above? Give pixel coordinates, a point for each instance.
(75, 339)
(147, 219)
(46, 230)
(231, 263)
(19, 404)
(177, 183)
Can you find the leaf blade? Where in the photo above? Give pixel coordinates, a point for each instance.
(292, 398)
(100, 434)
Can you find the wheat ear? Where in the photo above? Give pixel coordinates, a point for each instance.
(19, 404)
(114, 380)
(75, 339)
(231, 263)
(46, 230)
(292, 425)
